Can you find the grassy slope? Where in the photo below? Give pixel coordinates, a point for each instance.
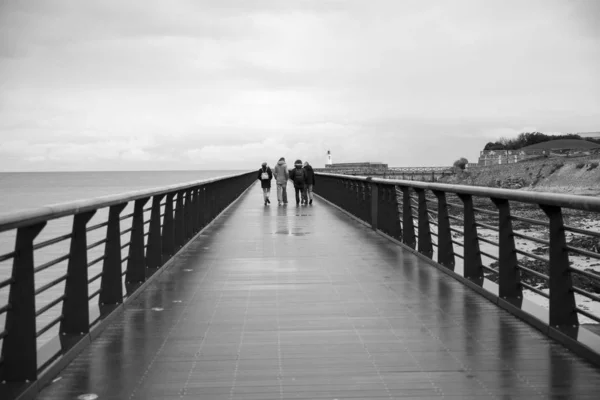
(550, 175)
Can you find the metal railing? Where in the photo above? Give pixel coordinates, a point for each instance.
(143, 239)
(447, 221)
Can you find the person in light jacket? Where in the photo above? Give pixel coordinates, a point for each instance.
(310, 181)
(264, 176)
(281, 177)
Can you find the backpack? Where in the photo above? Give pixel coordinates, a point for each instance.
(299, 176)
(265, 175)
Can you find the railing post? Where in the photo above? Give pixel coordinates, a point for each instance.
(425, 246)
(154, 249)
(408, 226)
(111, 285)
(179, 221)
(75, 308)
(168, 235)
(562, 298)
(136, 263)
(374, 204)
(19, 347)
(187, 215)
(472, 256)
(509, 274)
(445, 251)
(196, 213)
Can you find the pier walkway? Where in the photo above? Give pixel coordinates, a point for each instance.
(307, 303)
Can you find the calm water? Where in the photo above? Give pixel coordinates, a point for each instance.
(25, 190)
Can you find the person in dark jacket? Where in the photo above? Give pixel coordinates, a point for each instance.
(310, 181)
(298, 177)
(264, 176)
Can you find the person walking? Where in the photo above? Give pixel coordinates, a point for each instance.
(281, 177)
(264, 176)
(298, 176)
(310, 181)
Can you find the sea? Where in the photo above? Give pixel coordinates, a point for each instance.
(20, 191)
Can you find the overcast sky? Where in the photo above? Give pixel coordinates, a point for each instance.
(223, 84)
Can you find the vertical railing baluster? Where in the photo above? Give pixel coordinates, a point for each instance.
(111, 286)
(154, 249)
(408, 226)
(197, 208)
(179, 221)
(374, 205)
(562, 298)
(445, 249)
(509, 275)
(136, 263)
(168, 229)
(75, 307)
(424, 246)
(19, 347)
(187, 215)
(472, 256)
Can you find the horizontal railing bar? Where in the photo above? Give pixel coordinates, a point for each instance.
(532, 272)
(455, 218)
(531, 255)
(96, 293)
(92, 279)
(533, 239)
(146, 222)
(51, 263)
(125, 245)
(126, 231)
(457, 242)
(97, 226)
(146, 234)
(587, 314)
(486, 226)
(30, 217)
(432, 223)
(457, 231)
(49, 326)
(433, 234)
(50, 242)
(530, 220)
(490, 269)
(588, 203)
(4, 308)
(484, 211)
(124, 217)
(96, 244)
(483, 253)
(49, 305)
(50, 284)
(124, 259)
(149, 208)
(6, 282)
(587, 274)
(582, 231)
(96, 261)
(459, 256)
(535, 290)
(434, 244)
(482, 239)
(584, 252)
(7, 256)
(587, 294)
(454, 204)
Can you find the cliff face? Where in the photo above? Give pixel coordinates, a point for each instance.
(549, 175)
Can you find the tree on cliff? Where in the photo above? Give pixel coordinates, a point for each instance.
(461, 163)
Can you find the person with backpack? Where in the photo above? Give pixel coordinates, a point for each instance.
(310, 181)
(298, 176)
(280, 172)
(264, 176)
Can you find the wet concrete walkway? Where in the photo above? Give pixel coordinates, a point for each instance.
(306, 303)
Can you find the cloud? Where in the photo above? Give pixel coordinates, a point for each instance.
(198, 84)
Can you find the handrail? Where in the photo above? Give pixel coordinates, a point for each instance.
(578, 202)
(54, 211)
(163, 220)
(401, 209)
